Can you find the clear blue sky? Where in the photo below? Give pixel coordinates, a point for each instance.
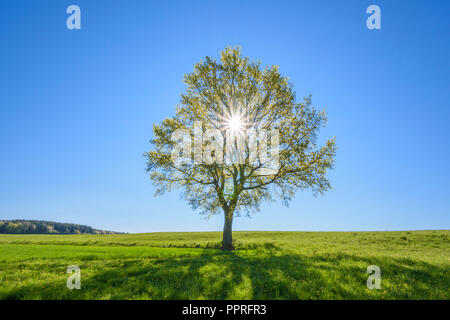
(77, 107)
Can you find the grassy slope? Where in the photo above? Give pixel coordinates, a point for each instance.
(270, 265)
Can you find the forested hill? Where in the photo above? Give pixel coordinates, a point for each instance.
(47, 227)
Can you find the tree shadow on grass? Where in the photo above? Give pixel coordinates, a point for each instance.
(249, 275)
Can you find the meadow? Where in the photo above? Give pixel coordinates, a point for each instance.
(266, 265)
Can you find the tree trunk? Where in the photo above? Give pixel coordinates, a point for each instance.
(227, 242)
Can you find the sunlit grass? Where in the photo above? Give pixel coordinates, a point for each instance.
(268, 265)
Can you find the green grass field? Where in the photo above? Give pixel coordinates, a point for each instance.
(267, 265)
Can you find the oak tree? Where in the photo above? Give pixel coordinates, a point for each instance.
(246, 140)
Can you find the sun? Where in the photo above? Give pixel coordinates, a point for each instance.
(235, 123)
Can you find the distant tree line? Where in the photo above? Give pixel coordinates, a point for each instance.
(46, 227)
